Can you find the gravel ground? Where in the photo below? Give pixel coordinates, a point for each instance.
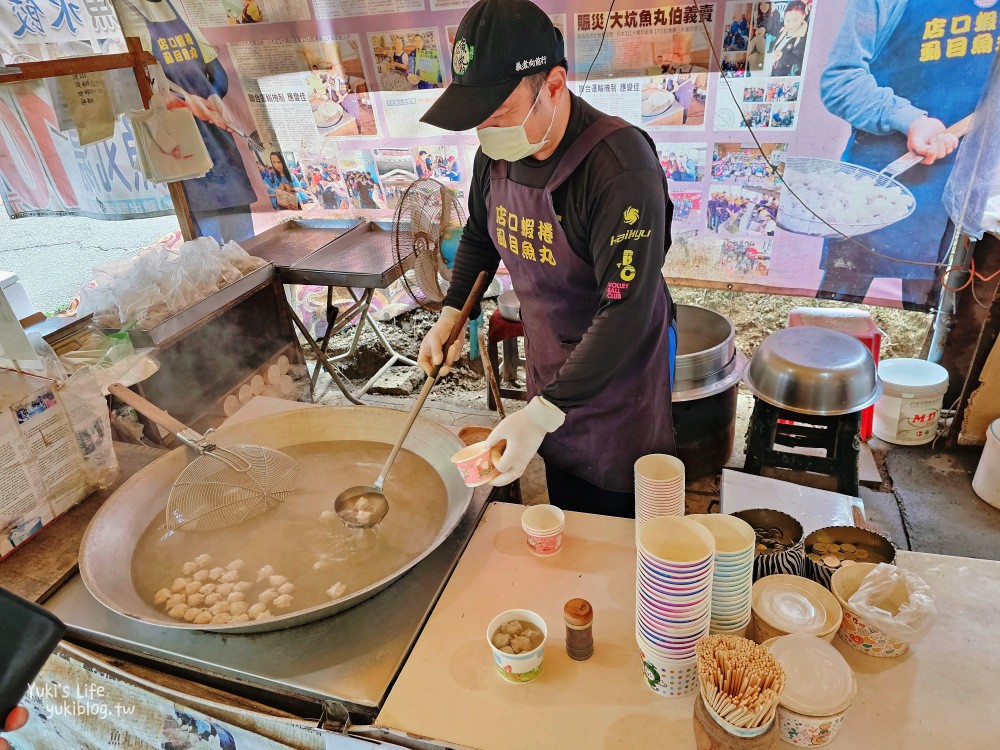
(755, 316)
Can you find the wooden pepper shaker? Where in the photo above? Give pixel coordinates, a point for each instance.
(579, 617)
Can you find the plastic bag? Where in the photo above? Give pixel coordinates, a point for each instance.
(88, 414)
(111, 359)
(51, 366)
(975, 177)
(873, 603)
(160, 282)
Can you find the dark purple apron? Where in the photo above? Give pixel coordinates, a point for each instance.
(560, 296)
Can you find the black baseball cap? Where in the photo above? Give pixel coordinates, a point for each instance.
(498, 43)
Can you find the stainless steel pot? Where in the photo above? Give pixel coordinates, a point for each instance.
(510, 306)
(110, 541)
(814, 371)
(706, 347)
(708, 370)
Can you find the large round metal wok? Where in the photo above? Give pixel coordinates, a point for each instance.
(107, 547)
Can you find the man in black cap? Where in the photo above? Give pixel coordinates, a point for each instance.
(575, 204)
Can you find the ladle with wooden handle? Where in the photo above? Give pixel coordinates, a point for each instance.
(363, 507)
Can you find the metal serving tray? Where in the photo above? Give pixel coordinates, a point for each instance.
(330, 253)
(199, 311)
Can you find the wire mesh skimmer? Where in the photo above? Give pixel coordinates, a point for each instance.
(222, 487)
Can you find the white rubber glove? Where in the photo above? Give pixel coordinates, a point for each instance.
(524, 432)
(432, 347)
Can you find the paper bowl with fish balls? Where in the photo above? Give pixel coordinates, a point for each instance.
(517, 661)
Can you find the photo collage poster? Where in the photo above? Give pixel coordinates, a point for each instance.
(311, 108)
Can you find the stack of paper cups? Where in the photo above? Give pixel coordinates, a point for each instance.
(659, 487)
(673, 596)
(733, 579)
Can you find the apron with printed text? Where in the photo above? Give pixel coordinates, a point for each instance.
(226, 184)
(938, 60)
(560, 297)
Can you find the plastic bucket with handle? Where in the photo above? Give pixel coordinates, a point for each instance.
(913, 389)
(986, 481)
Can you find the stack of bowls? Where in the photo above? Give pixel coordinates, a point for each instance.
(659, 487)
(733, 578)
(784, 605)
(673, 596)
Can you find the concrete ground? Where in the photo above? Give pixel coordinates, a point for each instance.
(54, 269)
(921, 497)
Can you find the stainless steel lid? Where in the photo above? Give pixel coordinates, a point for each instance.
(815, 371)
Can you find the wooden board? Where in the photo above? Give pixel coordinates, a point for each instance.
(46, 560)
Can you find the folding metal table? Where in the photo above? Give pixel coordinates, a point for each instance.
(331, 253)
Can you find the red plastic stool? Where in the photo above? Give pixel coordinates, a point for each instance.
(500, 330)
(853, 322)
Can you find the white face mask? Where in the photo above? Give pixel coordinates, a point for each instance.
(511, 143)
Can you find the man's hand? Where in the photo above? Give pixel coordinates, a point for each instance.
(432, 347)
(927, 137)
(15, 720)
(524, 432)
(209, 110)
(222, 117)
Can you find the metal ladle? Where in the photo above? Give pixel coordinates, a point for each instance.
(363, 507)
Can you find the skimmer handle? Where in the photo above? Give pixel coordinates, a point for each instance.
(144, 407)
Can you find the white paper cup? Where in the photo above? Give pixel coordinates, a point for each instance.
(668, 677)
(734, 537)
(676, 541)
(523, 667)
(477, 464)
(543, 526)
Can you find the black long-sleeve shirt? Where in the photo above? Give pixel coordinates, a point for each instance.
(621, 172)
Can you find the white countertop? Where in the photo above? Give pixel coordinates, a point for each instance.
(944, 693)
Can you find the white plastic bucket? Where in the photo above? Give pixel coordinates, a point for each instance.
(986, 481)
(913, 389)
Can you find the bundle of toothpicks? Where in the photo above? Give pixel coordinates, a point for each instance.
(740, 680)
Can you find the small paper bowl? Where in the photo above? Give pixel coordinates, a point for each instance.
(777, 623)
(543, 526)
(667, 677)
(679, 619)
(659, 470)
(674, 587)
(679, 577)
(854, 631)
(677, 541)
(666, 642)
(808, 731)
(801, 723)
(671, 631)
(673, 615)
(740, 632)
(518, 667)
(477, 464)
(543, 518)
(671, 599)
(734, 537)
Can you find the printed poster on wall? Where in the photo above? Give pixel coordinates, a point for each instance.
(772, 121)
